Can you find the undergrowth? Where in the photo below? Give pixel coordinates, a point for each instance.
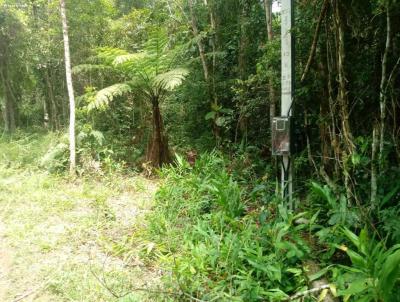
(218, 242)
(219, 238)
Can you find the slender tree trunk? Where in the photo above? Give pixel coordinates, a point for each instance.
(9, 105)
(270, 35)
(343, 93)
(72, 158)
(382, 92)
(313, 49)
(53, 108)
(199, 42)
(45, 114)
(244, 40)
(206, 71)
(332, 104)
(343, 101)
(214, 48)
(374, 185)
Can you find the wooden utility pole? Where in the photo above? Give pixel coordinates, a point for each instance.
(68, 73)
(287, 84)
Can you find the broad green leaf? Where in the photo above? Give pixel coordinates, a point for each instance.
(352, 237)
(319, 274)
(210, 115)
(389, 274)
(355, 287)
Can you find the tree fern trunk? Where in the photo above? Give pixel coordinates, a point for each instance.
(158, 151)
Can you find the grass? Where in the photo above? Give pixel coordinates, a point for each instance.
(59, 238)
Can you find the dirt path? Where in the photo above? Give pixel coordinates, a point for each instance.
(62, 241)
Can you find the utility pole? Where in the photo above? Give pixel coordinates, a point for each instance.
(287, 86)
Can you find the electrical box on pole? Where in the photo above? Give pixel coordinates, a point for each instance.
(281, 134)
(281, 126)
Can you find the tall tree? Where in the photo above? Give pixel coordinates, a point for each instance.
(10, 52)
(68, 73)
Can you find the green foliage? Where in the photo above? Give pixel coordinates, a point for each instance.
(339, 212)
(103, 97)
(56, 158)
(25, 149)
(375, 271)
(216, 246)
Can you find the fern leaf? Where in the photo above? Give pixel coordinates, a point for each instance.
(157, 42)
(171, 79)
(108, 54)
(90, 67)
(106, 95)
(131, 57)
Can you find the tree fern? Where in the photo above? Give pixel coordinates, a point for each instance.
(171, 79)
(83, 68)
(158, 41)
(130, 57)
(103, 97)
(151, 78)
(107, 55)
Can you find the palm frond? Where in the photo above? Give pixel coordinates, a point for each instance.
(171, 79)
(103, 97)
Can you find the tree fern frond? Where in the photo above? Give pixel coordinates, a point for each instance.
(157, 42)
(82, 68)
(108, 54)
(103, 97)
(131, 57)
(171, 79)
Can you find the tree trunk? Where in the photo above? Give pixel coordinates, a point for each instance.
(9, 105)
(206, 72)
(374, 185)
(382, 92)
(244, 40)
(52, 109)
(343, 93)
(158, 150)
(214, 50)
(270, 35)
(72, 158)
(199, 41)
(343, 101)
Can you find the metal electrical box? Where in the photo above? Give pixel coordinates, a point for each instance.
(281, 131)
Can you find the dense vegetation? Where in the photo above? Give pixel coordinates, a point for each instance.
(187, 89)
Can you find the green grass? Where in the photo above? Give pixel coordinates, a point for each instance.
(60, 236)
